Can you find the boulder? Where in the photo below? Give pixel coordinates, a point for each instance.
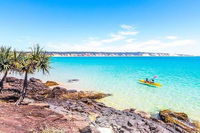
(63, 93)
(143, 114)
(178, 120)
(11, 79)
(51, 83)
(57, 92)
(197, 124)
(85, 94)
(35, 80)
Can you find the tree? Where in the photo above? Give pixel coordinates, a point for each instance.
(36, 60)
(6, 63)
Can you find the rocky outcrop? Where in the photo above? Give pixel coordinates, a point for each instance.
(179, 120)
(102, 117)
(39, 91)
(62, 93)
(78, 110)
(51, 83)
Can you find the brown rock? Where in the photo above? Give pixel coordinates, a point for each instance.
(57, 92)
(51, 83)
(63, 93)
(179, 120)
(197, 125)
(85, 94)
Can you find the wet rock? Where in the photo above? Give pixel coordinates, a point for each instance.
(178, 120)
(51, 83)
(72, 80)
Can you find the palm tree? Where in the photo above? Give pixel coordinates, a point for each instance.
(36, 60)
(6, 63)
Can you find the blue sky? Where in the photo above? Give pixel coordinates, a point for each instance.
(102, 25)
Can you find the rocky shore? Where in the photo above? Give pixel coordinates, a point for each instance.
(59, 110)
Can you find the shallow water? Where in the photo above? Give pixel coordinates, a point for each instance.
(180, 77)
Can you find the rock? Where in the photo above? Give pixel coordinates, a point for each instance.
(177, 119)
(197, 125)
(90, 129)
(72, 80)
(27, 101)
(130, 110)
(44, 105)
(143, 114)
(92, 95)
(62, 93)
(9, 96)
(11, 79)
(57, 92)
(86, 130)
(51, 83)
(85, 94)
(35, 80)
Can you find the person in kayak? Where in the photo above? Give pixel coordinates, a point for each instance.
(151, 81)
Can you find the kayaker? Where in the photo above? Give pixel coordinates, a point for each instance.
(147, 80)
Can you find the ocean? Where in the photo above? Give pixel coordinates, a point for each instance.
(180, 77)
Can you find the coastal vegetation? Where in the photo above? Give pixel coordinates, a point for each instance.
(6, 63)
(23, 63)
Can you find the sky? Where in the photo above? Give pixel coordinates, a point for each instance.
(170, 26)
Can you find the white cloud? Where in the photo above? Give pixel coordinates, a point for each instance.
(127, 27)
(128, 32)
(130, 40)
(112, 38)
(126, 41)
(171, 37)
(150, 42)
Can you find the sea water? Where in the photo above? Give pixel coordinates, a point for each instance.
(180, 77)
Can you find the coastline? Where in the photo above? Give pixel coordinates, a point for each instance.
(87, 113)
(110, 103)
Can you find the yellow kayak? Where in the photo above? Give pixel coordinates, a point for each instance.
(150, 84)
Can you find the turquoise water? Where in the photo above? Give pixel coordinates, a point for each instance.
(180, 77)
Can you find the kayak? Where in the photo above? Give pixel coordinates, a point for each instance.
(150, 84)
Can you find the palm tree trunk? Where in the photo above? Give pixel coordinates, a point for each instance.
(23, 92)
(2, 81)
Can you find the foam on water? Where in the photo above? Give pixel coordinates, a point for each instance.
(180, 77)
